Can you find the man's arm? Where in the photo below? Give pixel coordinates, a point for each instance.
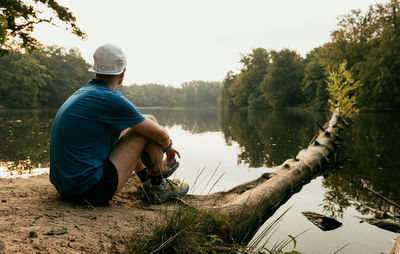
(153, 130)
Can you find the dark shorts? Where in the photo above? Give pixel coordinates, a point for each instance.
(103, 191)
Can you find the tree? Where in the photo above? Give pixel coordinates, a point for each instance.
(18, 19)
(44, 78)
(21, 80)
(369, 42)
(192, 94)
(379, 72)
(342, 89)
(314, 85)
(245, 89)
(282, 82)
(225, 99)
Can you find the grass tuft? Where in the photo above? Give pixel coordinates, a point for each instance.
(185, 230)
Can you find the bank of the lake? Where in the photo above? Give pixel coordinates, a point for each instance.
(31, 208)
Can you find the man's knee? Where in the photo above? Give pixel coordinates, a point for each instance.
(151, 117)
(154, 161)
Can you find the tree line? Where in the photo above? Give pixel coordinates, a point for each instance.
(190, 94)
(45, 78)
(369, 44)
(41, 79)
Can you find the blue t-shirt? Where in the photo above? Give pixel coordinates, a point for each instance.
(84, 131)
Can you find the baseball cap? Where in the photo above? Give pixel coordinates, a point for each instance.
(108, 59)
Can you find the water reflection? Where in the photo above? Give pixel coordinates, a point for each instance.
(21, 169)
(268, 138)
(25, 138)
(26, 133)
(371, 155)
(370, 150)
(194, 120)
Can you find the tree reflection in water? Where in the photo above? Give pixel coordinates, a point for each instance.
(268, 138)
(25, 138)
(371, 146)
(194, 120)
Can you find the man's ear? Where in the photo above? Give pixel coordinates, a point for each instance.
(121, 77)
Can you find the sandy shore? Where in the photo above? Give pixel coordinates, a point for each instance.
(30, 208)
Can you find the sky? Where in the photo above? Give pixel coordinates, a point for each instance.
(174, 41)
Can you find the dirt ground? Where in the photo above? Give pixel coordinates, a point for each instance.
(30, 208)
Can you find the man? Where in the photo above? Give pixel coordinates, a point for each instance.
(98, 138)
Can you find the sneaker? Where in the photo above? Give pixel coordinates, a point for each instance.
(167, 190)
(169, 168)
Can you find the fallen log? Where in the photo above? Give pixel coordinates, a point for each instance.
(247, 204)
(396, 247)
(387, 224)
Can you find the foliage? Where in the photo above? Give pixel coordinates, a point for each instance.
(267, 79)
(44, 78)
(369, 42)
(342, 88)
(245, 88)
(200, 93)
(191, 94)
(314, 86)
(185, 230)
(18, 19)
(226, 99)
(47, 77)
(282, 82)
(189, 230)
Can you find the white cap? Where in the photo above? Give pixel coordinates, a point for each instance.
(108, 59)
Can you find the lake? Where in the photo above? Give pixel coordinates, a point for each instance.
(221, 149)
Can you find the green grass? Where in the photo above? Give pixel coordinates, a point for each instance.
(185, 230)
(189, 230)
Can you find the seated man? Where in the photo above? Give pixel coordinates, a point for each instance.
(98, 137)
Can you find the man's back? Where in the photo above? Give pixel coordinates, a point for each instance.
(84, 131)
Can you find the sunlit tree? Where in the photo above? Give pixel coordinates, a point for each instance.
(342, 89)
(18, 19)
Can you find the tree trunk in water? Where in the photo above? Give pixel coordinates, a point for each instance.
(396, 247)
(245, 205)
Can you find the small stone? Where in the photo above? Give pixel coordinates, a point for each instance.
(32, 234)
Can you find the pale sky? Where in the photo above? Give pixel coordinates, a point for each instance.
(173, 41)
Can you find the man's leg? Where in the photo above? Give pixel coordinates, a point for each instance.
(126, 156)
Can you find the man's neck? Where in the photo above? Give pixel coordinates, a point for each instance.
(113, 85)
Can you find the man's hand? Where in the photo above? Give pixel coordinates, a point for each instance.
(171, 155)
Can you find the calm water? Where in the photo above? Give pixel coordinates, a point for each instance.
(239, 146)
